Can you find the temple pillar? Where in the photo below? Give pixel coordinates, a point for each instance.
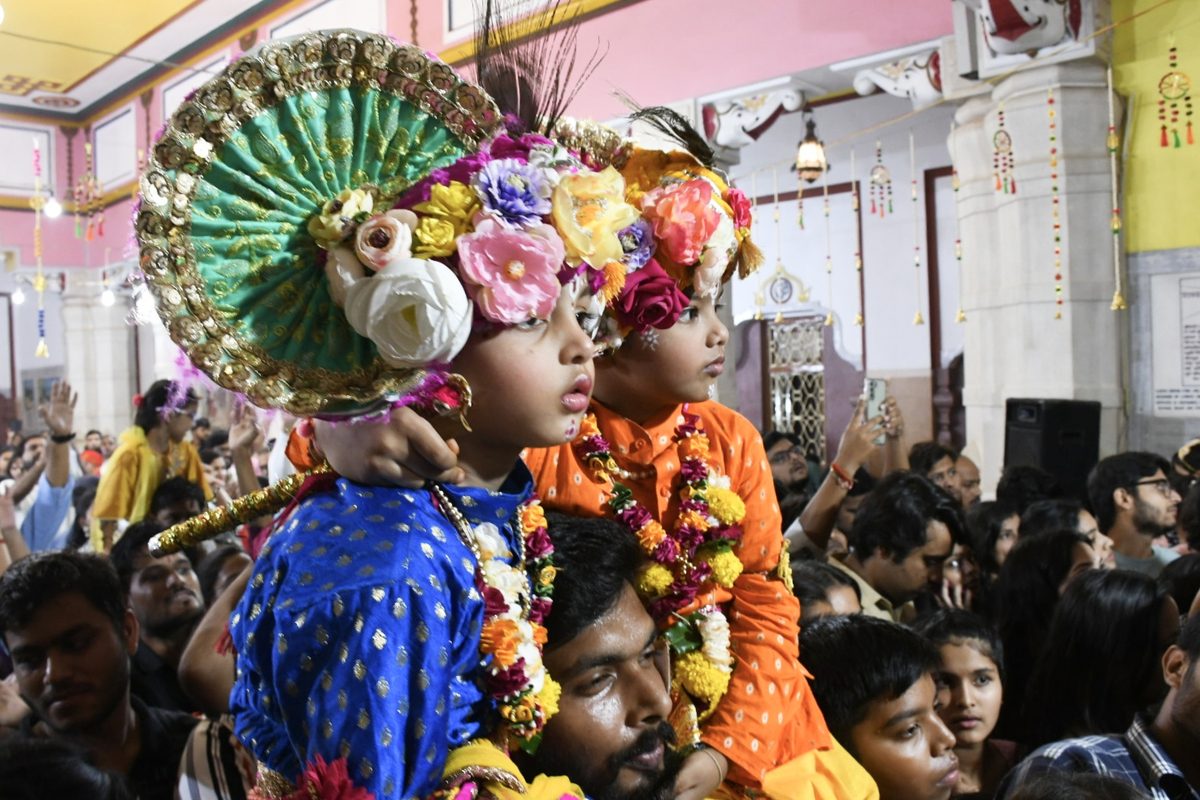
(1014, 346)
(101, 358)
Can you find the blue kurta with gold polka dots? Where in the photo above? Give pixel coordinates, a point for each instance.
(358, 636)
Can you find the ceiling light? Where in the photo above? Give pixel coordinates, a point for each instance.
(1, 15)
(107, 298)
(18, 297)
(810, 157)
(53, 209)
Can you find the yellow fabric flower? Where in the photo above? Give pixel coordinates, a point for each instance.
(588, 427)
(456, 201)
(726, 567)
(699, 678)
(694, 446)
(336, 219)
(588, 210)
(725, 505)
(649, 536)
(614, 281)
(655, 580)
(533, 517)
(547, 575)
(434, 237)
(694, 519)
(548, 697)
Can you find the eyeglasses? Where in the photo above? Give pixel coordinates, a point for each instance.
(783, 456)
(1161, 484)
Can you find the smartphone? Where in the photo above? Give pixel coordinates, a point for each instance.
(875, 392)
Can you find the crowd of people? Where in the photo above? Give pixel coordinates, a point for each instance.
(524, 552)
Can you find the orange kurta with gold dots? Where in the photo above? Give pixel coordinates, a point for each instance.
(769, 716)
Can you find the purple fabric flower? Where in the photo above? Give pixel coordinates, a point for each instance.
(508, 681)
(693, 469)
(514, 191)
(731, 532)
(538, 545)
(493, 601)
(635, 517)
(637, 241)
(539, 609)
(701, 572)
(666, 552)
(690, 537)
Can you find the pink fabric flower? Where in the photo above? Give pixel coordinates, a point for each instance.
(741, 208)
(512, 275)
(683, 218)
(328, 782)
(539, 609)
(634, 517)
(538, 544)
(493, 602)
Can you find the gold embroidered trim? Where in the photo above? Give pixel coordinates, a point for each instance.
(212, 116)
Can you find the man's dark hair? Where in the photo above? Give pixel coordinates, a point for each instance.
(176, 490)
(33, 768)
(864, 482)
(217, 437)
(1121, 471)
(29, 438)
(1051, 515)
(812, 580)
(775, 437)
(924, 455)
(595, 558)
(1181, 579)
(36, 579)
(89, 433)
(149, 414)
(895, 516)
(135, 539)
(1103, 653)
(201, 422)
(956, 626)
(985, 521)
(1189, 640)
(1020, 486)
(1064, 785)
(859, 660)
(209, 455)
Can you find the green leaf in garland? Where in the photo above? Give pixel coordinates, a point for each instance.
(531, 744)
(683, 637)
(622, 497)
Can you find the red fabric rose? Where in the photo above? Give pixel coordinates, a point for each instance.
(650, 299)
(741, 208)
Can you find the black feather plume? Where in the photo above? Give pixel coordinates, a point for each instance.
(528, 62)
(672, 125)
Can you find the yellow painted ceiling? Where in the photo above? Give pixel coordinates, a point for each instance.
(110, 26)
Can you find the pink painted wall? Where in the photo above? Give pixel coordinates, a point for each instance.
(662, 51)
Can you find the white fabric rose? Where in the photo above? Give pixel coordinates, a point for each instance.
(342, 268)
(415, 311)
(714, 630)
(721, 247)
(491, 543)
(385, 238)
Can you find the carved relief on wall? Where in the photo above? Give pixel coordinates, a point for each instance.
(918, 77)
(736, 123)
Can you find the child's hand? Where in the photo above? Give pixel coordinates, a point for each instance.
(405, 452)
(702, 772)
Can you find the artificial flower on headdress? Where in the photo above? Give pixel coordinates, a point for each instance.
(514, 191)
(339, 216)
(589, 210)
(683, 218)
(511, 274)
(446, 215)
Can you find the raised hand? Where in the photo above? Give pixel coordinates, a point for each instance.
(59, 415)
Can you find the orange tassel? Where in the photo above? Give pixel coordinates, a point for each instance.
(1191, 140)
(1164, 142)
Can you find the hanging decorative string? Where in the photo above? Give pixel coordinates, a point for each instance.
(778, 238)
(961, 316)
(828, 248)
(1174, 97)
(1002, 156)
(88, 195)
(800, 200)
(881, 184)
(1058, 292)
(37, 203)
(1114, 141)
(912, 163)
(858, 264)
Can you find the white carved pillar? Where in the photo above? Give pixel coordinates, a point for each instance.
(100, 359)
(1014, 347)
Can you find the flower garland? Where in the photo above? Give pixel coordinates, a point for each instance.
(517, 600)
(695, 555)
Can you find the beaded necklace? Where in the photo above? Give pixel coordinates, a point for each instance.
(517, 601)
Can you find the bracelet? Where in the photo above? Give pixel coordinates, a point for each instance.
(843, 480)
(717, 764)
(61, 438)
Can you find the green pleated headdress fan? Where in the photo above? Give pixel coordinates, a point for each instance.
(241, 168)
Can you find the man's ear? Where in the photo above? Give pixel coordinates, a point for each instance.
(883, 553)
(1174, 665)
(130, 631)
(1123, 499)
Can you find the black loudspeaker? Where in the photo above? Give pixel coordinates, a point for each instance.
(1061, 437)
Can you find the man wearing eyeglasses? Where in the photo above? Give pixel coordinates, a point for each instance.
(1133, 502)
